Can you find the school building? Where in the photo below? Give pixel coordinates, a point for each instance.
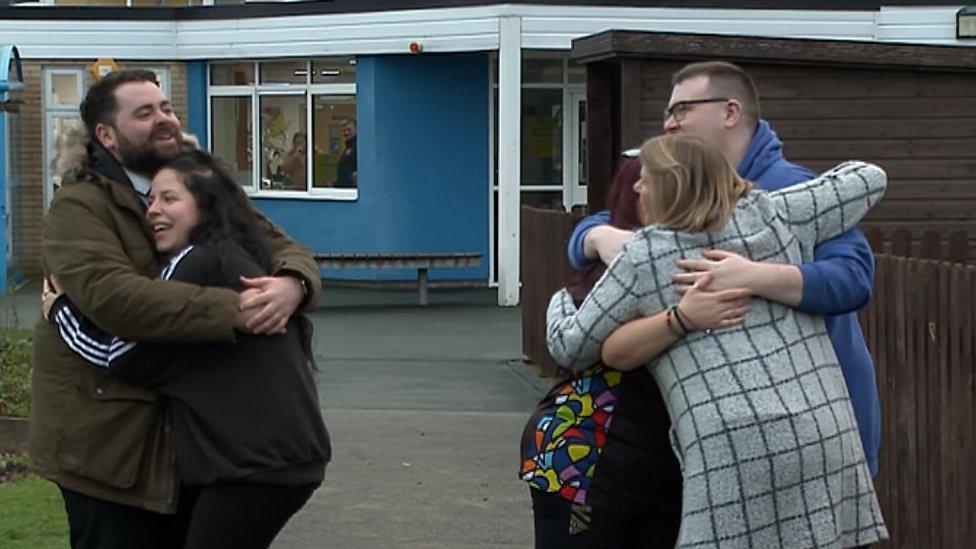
(395, 126)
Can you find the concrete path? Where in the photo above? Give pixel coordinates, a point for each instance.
(425, 407)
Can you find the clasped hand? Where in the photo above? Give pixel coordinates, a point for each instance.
(267, 303)
(715, 290)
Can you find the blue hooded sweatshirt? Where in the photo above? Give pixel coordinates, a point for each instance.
(836, 284)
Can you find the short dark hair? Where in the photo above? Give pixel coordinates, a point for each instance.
(725, 80)
(100, 105)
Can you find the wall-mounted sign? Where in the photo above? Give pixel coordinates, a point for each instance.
(102, 67)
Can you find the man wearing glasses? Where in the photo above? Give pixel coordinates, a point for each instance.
(720, 100)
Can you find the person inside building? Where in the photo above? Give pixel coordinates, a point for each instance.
(294, 162)
(347, 171)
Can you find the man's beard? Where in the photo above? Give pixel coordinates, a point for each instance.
(143, 158)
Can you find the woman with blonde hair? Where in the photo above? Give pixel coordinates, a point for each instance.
(762, 421)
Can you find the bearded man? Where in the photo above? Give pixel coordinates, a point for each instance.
(104, 442)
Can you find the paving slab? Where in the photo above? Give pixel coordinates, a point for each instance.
(425, 406)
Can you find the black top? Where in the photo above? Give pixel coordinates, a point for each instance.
(244, 412)
(637, 471)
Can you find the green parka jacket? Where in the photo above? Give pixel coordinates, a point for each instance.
(90, 432)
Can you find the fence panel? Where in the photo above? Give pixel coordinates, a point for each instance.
(920, 331)
(545, 269)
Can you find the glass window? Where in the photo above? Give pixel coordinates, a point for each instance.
(284, 72)
(542, 70)
(284, 142)
(542, 137)
(334, 154)
(64, 88)
(334, 70)
(89, 2)
(164, 3)
(232, 74)
(60, 127)
(577, 74)
(231, 141)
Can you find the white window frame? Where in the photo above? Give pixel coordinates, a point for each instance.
(164, 79)
(569, 189)
(52, 111)
(255, 92)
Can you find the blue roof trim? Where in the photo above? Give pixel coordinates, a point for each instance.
(9, 53)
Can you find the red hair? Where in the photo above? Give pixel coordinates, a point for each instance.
(622, 201)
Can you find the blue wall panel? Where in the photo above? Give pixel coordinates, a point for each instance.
(196, 91)
(423, 168)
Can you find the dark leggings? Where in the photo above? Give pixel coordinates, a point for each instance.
(560, 524)
(241, 516)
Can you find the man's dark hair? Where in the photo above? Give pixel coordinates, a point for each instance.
(100, 105)
(725, 80)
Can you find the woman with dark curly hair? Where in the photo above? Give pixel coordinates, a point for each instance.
(251, 445)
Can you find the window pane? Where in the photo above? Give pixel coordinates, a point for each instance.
(542, 137)
(334, 70)
(577, 74)
(284, 72)
(89, 2)
(335, 162)
(231, 140)
(284, 141)
(547, 200)
(232, 74)
(60, 126)
(64, 89)
(164, 3)
(542, 70)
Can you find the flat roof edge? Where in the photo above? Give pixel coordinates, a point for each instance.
(692, 46)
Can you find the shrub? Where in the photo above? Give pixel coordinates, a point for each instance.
(15, 371)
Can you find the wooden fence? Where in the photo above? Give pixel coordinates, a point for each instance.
(921, 330)
(545, 269)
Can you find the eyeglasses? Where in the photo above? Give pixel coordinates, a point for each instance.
(680, 108)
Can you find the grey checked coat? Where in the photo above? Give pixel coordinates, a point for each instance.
(762, 421)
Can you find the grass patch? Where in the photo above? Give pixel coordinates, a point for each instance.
(32, 514)
(16, 346)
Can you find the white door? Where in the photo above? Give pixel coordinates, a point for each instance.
(574, 148)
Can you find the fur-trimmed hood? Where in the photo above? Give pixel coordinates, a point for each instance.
(71, 156)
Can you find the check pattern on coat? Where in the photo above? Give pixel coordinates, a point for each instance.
(762, 420)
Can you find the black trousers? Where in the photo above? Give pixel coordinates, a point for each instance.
(242, 516)
(99, 524)
(225, 515)
(560, 524)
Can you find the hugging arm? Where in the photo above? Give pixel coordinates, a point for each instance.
(575, 336)
(90, 265)
(148, 364)
(577, 248)
(143, 364)
(289, 258)
(835, 202)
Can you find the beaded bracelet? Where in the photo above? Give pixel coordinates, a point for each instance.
(671, 326)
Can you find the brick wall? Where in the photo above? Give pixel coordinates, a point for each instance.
(32, 150)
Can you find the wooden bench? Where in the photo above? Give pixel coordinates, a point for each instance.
(419, 261)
